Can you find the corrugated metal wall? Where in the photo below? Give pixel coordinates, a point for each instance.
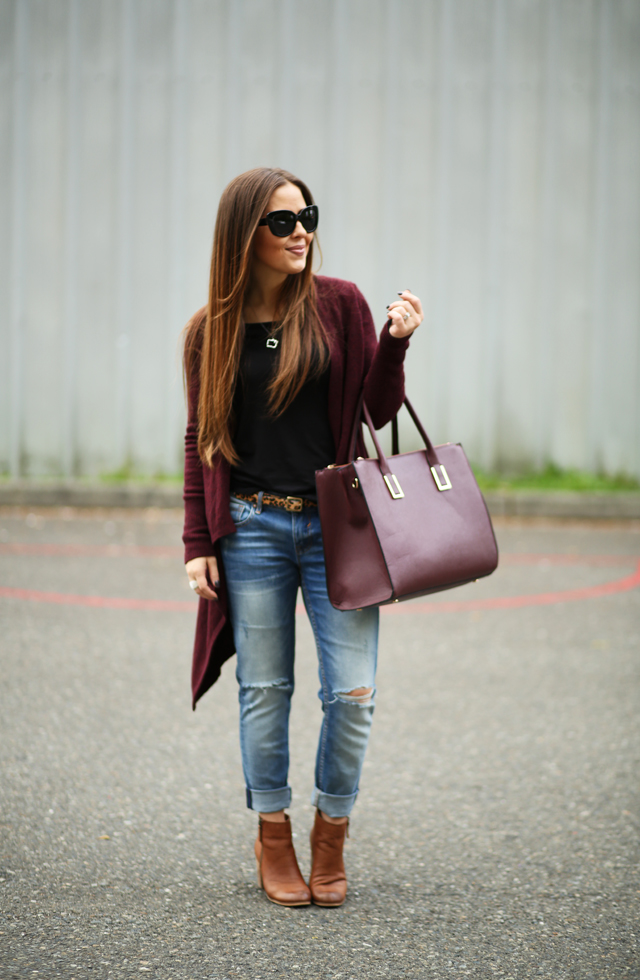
(485, 153)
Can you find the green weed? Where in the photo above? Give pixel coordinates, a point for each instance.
(553, 478)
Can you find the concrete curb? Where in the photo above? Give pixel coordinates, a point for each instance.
(29, 493)
(576, 506)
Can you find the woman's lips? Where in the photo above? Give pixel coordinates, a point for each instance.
(297, 249)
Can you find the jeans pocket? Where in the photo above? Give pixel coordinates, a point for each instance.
(241, 511)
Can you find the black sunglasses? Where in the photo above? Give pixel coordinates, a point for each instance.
(282, 223)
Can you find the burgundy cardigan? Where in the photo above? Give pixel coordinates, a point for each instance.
(357, 358)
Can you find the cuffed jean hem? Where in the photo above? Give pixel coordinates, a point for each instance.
(269, 800)
(333, 806)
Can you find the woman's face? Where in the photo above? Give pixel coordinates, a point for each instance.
(285, 255)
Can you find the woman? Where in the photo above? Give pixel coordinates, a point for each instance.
(275, 365)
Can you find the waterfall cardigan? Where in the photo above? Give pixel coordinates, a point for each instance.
(357, 359)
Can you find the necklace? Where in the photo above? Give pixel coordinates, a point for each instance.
(272, 342)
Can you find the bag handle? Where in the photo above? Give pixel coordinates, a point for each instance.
(361, 409)
(384, 465)
(357, 419)
(395, 442)
(441, 478)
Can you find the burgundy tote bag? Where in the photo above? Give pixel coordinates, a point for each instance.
(402, 527)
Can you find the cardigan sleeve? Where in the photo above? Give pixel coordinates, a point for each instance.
(196, 535)
(384, 367)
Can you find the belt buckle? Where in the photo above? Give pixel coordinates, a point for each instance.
(293, 504)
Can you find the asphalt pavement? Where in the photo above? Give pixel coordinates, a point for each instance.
(496, 833)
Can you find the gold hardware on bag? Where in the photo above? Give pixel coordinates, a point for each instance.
(446, 485)
(356, 483)
(398, 492)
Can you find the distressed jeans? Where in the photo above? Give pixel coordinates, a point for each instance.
(272, 553)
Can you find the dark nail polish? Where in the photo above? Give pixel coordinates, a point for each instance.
(386, 307)
(399, 294)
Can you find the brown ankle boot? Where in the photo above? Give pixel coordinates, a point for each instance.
(278, 871)
(328, 879)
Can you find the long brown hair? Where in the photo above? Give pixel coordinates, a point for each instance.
(216, 339)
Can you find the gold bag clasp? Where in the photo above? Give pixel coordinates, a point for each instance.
(397, 491)
(446, 482)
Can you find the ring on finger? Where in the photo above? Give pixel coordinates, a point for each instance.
(193, 584)
(405, 316)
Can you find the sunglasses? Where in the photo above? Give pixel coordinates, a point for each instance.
(282, 223)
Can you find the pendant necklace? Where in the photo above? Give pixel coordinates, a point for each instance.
(272, 342)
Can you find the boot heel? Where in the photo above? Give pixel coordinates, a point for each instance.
(276, 865)
(328, 880)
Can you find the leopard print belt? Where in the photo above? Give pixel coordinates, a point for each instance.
(292, 504)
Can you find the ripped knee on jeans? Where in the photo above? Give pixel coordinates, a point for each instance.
(279, 684)
(359, 695)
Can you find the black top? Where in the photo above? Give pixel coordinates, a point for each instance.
(278, 454)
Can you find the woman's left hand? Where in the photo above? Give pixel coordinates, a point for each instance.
(405, 314)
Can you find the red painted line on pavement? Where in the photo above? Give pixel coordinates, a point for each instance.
(505, 602)
(170, 551)
(531, 558)
(102, 602)
(519, 601)
(90, 551)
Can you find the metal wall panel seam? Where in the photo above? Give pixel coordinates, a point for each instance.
(177, 242)
(19, 177)
(597, 400)
(233, 81)
(441, 230)
(392, 149)
(286, 109)
(71, 283)
(547, 242)
(490, 385)
(125, 229)
(336, 142)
